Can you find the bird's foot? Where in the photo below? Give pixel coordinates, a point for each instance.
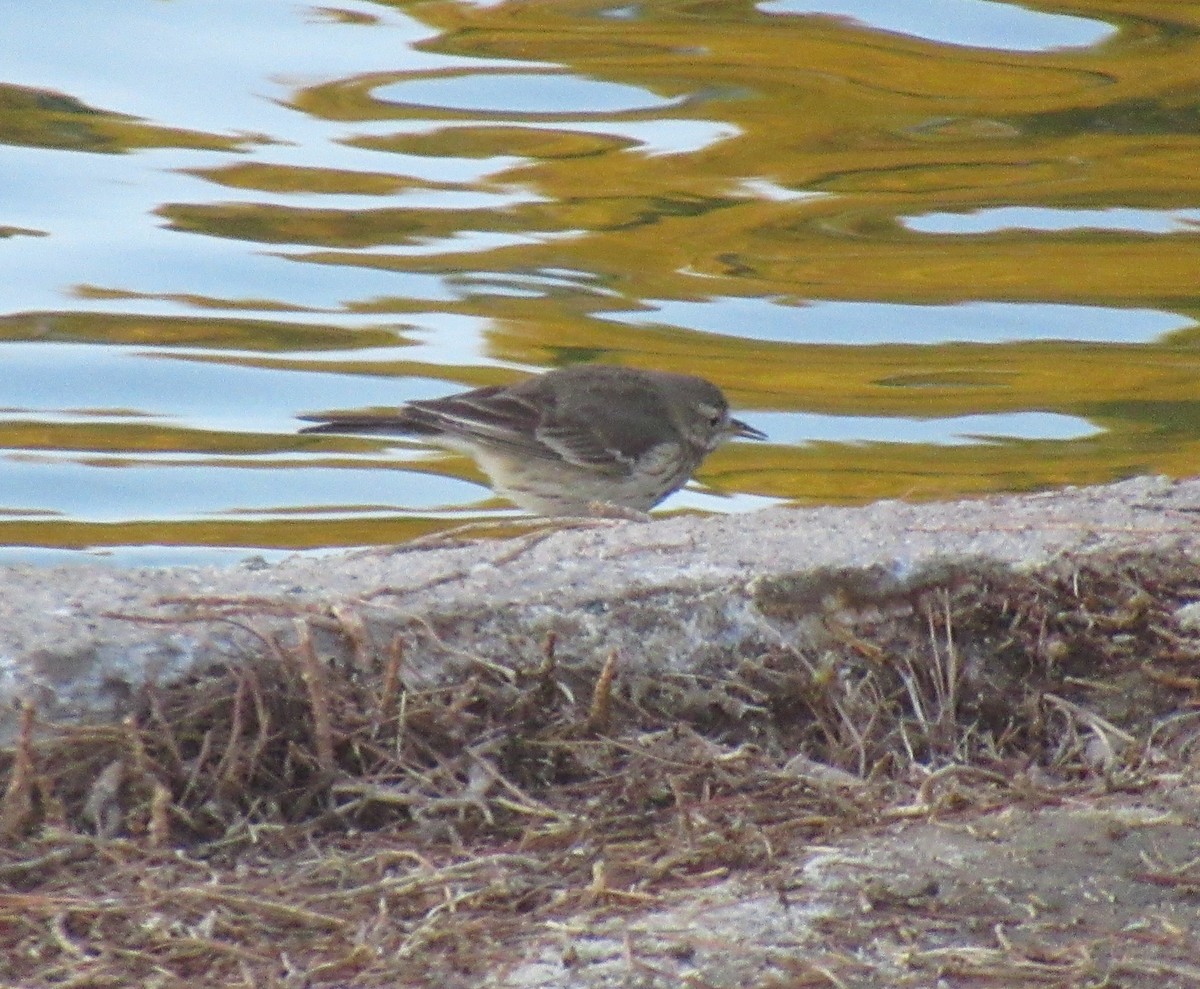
(607, 510)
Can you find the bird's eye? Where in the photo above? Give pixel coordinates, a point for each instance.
(713, 415)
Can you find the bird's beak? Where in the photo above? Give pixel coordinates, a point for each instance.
(743, 429)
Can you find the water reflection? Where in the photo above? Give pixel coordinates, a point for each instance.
(978, 23)
(985, 221)
(948, 431)
(925, 269)
(103, 489)
(863, 323)
(515, 94)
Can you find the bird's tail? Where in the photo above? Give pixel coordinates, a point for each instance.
(393, 425)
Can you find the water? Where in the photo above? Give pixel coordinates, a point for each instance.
(932, 250)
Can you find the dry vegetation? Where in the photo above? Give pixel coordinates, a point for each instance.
(293, 821)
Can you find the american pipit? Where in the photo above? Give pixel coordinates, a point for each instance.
(572, 439)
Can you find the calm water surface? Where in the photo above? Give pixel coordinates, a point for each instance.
(932, 249)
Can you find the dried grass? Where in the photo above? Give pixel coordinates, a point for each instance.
(297, 821)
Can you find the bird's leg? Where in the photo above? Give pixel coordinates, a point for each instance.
(607, 510)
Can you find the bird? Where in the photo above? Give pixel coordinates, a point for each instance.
(577, 440)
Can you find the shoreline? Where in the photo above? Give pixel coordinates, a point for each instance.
(79, 639)
(876, 747)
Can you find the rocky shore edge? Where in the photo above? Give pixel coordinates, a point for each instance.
(886, 746)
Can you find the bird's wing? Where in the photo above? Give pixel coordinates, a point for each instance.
(495, 416)
(529, 421)
(491, 415)
(583, 445)
(610, 432)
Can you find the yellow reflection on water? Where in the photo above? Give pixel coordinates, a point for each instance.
(669, 153)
